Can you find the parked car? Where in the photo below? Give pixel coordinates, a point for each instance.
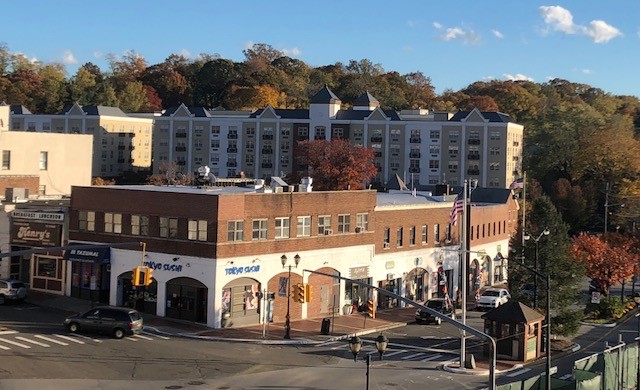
(438, 304)
(492, 298)
(116, 321)
(12, 290)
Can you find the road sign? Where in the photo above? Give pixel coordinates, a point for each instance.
(595, 297)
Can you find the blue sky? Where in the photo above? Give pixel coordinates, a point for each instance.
(453, 42)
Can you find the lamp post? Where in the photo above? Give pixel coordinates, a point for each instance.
(545, 232)
(287, 321)
(355, 345)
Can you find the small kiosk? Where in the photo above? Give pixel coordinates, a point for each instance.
(517, 329)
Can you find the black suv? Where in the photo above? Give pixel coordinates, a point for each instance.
(116, 321)
(438, 304)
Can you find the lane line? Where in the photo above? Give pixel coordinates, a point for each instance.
(393, 353)
(131, 339)
(32, 341)
(69, 338)
(434, 357)
(413, 356)
(338, 347)
(327, 343)
(157, 335)
(142, 337)
(519, 372)
(49, 339)
(15, 343)
(85, 337)
(4, 348)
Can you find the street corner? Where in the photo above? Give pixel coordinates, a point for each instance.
(482, 368)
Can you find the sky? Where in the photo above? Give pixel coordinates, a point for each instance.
(454, 43)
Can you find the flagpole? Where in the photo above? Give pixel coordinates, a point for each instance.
(463, 272)
(524, 207)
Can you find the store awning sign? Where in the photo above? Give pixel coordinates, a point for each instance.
(100, 255)
(35, 234)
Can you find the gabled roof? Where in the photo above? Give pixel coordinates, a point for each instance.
(197, 111)
(284, 113)
(490, 195)
(396, 183)
(491, 116)
(513, 312)
(366, 99)
(359, 115)
(95, 110)
(17, 109)
(324, 96)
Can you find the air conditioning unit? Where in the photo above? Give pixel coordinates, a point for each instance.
(359, 229)
(386, 245)
(328, 232)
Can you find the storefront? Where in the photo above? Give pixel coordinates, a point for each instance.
(90, 273)
(29, 230)
(186, 299)
(241, 303)
(354, 293)
(142, 298)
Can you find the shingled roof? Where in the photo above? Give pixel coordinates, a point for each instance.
(513, 312)
(366, 99)
(324, 96)
(492, 116)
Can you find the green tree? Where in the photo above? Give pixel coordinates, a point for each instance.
(82, 87)
(106, 96)
(133, 97)
(53, 89)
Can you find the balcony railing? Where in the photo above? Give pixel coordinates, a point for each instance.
(473, 156)
(415, 140)
(181, 135)
(232, 164)
(267, 151)
(267, 165)
(232, 136)
(181, 148)
(376, 139)
(414, 170)
(414, 155)
(232, 150)
(474, 141)
(474, 172)
(267, 136)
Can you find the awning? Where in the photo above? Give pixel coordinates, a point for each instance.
(101, 255)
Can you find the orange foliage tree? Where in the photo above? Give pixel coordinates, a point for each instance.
(336, 164)
(610, 258)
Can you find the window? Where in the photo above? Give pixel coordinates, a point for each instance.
(436, 233)
(434, 149)
(424, 234)
(47, 267)
(140, 225)
(362, 221)
(387, 237)
(259, 229)
(282, 227)
(235, 230)
(112, 223)
(320, 133)
(337, 132)
(215, 130)
(344, 222)
(168, 227)
(304, 227)
(434, 164)
(324, 224)
(42, 189)
(197, 230)
(86, 221)
(399, 237)
(495, 135)
(6, 159)
(412, 236)
(453, 136)
(447, 234)
(434, 134)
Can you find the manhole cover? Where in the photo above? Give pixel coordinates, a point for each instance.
(196, 383)
(174, 387)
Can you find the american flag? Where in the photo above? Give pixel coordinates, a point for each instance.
(517, 183)
(455, 210)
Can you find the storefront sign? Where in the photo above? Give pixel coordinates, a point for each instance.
(58, 217)
(359, 272)
(163, 266)
(242, 270)
(90, 255)
(36, 234)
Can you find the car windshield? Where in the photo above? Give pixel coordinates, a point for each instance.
(434, 304)
(490, 293)
(135, 316)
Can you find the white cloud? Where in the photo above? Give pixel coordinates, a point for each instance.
(457, 33)
(560, 19)
(437, 25)
(32, 60)
(517, 77)
(248, 45)
(601, 32)
(583, 70)
(292, 52)
(68, 58)
(488, 78)
(185, 53)
(497, 34)
(98, 54)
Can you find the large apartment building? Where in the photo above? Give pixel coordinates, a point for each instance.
(421, 146)
(121, 142)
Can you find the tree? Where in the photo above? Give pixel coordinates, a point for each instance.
(170, 174)
(106, 96)
(53, 89)
(132, 97)
(610, 258)
(336, 164)
(82, 87)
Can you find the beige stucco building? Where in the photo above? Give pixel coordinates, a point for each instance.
(121, 143)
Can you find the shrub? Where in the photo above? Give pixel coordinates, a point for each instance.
(609, 307)
(566, 323)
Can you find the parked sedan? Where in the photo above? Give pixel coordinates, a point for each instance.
(492, 298)
(438, 304)
(116, 321)
(12, 290)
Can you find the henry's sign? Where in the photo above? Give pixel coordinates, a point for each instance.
(35, 234)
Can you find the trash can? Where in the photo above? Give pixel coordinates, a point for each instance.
(326, 324)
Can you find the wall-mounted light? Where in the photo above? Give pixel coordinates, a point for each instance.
(176, 258)
(255, 260)
(229, 262)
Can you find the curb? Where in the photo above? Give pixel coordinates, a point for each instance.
(612, 325)
(468, 371)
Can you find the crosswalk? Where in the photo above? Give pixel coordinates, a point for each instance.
(21, 341)
(392, 353)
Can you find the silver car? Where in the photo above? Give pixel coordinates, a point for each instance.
(12, 290)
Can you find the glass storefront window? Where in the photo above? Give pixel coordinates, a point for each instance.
(47, 267)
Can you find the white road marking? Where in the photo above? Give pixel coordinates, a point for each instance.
(338, 347)
(130, 339)
(14, 343)
(519, 372)
(32, 341)
(143, 337)
(394, 353)
(158, 336)
(327, 343)
(413, 356)
(434, 357)
(5, 348)
(8, 332)
(50, 340)
(69, 339)
(85, 337)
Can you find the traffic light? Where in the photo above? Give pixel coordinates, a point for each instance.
(148, 276)
(371, 308)
(307, 293)
(301, 293)
(294, 290)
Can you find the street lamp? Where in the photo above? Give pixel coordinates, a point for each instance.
(355, 345)
(545, 232)
(287, 322)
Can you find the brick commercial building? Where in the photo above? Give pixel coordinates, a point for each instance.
(216, 252)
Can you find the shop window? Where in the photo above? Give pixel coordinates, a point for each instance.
(112, 223)
(259, 229)
(86, 221)
(197, 230)
(344, 223)
(304, 226)
(140, 225)
(235, 230)
(282, 227)
(168, 227)
(47, 267)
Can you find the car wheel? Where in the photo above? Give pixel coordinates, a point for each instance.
(438, 320)
(118, 333)
(73, 327)
(2, 301)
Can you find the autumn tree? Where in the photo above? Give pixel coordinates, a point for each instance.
(170, 174)
(336, 164)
